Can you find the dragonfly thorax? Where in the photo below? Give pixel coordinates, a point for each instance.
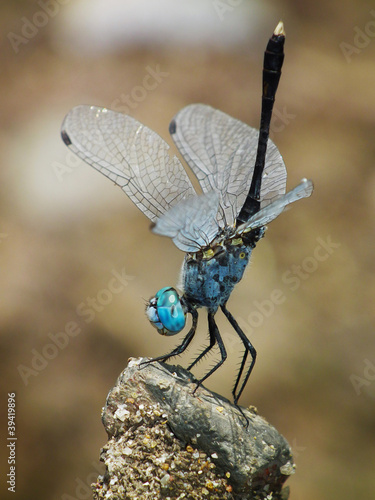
(208, 279)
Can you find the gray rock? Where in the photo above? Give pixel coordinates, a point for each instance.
(166, 442)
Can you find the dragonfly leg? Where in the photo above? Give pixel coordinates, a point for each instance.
(205, 351)
(183, 346)
(214, 337)
(249, 348)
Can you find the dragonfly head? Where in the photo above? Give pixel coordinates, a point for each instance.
(165, 312)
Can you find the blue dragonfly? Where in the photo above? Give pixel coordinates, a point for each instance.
(243, 181)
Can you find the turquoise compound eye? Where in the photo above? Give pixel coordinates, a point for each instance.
(169, 311)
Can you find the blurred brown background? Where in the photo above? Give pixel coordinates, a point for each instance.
(65, 229)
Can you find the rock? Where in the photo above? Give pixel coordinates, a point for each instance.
(166, 442)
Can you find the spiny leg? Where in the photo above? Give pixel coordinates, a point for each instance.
(183, 346)
(244, 358)
(214, 337)
(248, 348)
(206, 350)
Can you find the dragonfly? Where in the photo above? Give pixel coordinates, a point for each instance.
(242, 178)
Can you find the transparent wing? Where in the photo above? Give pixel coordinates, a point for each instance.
(130, 154)
(221, 152)
(274, 209)
(192, 223)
